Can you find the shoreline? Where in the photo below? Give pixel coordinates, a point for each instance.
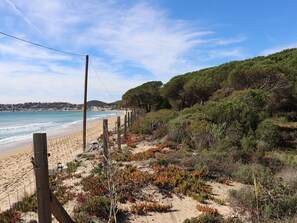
(16, 169)
(61, 131)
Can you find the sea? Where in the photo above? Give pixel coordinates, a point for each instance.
(16, 127)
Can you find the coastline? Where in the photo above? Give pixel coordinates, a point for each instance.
(63, 130)
(63, 145)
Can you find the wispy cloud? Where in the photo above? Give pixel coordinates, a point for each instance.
(23, 51)
(278, 48)
(129, 44)
(227, 41)
(18, 12)
(232, 54)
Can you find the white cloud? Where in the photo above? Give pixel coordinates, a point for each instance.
(21, 81)
(227, 41)
(117, 36)
(24, 51)
(18, 12)
(144, 37)
(229, 53)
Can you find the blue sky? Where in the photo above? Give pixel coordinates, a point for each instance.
(130, 42)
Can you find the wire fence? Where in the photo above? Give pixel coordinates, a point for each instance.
(18, 178)
(14, 191)
(21, 185)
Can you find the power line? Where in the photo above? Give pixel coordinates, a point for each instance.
(101, 80)
(39, 45)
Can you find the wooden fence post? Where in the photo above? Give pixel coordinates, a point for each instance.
(135, 114)
(119, 132)
(42, 181)
(47, 203)
(125, 127)
(58, 211)
(105, 143)
(129, 120)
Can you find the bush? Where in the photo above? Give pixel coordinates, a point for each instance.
(274, 202)
(203, 133)
(245, 174)
(216, 162)
(153, 120)
(206, 218)
(10, 216)
(93, 206)
(28, 203)
(268, 135)
(177, 127)
(243, 199)
(247, 107)
(72, 167)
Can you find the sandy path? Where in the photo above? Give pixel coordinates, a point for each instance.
(183, 207)
(16, 169)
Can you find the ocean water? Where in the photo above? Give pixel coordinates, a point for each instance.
(18, 126)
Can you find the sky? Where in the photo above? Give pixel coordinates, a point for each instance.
(129, 42)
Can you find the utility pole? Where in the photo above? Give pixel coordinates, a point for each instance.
(85, 104)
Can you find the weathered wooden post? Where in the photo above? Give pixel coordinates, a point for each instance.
(42, 181)
(47, 203)
(125, 127)
(119, 132)
(105, 143)
(129, 121)
(135, 114)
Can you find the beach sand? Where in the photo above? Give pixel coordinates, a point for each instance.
(16, 169)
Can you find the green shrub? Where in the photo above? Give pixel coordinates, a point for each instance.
(206, 218)
(247, 107)
(93, 206)
(276, 203)
(248, 142)
(72, 167)
(243, 199)
(153, 120)
(177, 127)
(245, 174)
(233, 220)
(28, 203)
(268, 135)
(10, 216)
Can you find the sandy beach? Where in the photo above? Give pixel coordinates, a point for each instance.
(16, 170)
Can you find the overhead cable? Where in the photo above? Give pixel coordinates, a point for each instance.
(40, 45)
(100, 80)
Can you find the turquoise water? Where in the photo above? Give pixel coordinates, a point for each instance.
(17, 126)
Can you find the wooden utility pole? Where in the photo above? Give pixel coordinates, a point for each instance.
(42, 181)
(105, 143)
(119, 132)
(85, 104)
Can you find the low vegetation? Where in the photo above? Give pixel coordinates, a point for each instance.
(235, 121)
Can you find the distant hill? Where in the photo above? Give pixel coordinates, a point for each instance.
(101, 103)
(115, 103)
(96, 103)
(43, 106)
